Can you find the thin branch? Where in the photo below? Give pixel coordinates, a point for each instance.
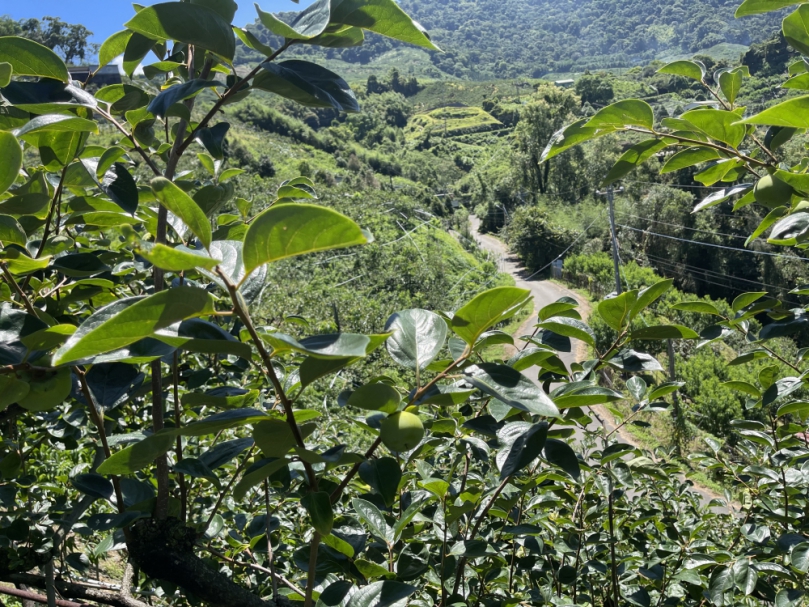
(278, 576)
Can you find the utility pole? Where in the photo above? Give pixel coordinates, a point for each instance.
(610, 193)
(679, 420)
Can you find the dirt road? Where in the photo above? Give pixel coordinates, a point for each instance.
(545, 293)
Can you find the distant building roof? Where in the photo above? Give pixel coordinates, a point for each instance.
(564, 82)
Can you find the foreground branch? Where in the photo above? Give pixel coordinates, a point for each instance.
(68, 589)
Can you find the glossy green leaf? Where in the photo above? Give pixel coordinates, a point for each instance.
(688, 158)
(318, 505)
(559, 453)
(633, 157)
(569, 327)
(225, 420)
(649, 295)
(112, 47)
(486, 310)
(250, 40)
(29, 58)
(176, 259)
(6, 71)
(183, 206)
(571, 136)
(511, 387)
(382, 17)
(12, 390)
(717, 124)
(688, 69)
(790, 113)
(274, 437)
(383, 594)
(253, 477)
(631, 112)
(309, 23)
(418, 337)
(129, 320)
(138, 456)
(224, 8)
(307, 83)
(790, 230)
(616, 311)
(159, 106)
(730, 81)
(383, 475)
(631, 361)
(11, 153)
(185, 22)
(57, 122)
(373, 519)
(796, 29)
(524, 450)
(755, 7)
(288, 230)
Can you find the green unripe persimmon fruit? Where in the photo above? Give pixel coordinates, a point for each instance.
(772, 192)
(401, 431)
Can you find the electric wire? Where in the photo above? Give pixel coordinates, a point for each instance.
(716, 246)
(674, 225)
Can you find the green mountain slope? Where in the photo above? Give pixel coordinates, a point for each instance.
(486, 39)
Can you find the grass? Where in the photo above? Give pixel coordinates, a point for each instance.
(452, 121)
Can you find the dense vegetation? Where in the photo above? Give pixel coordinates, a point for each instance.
(245, 364)
(490, 39)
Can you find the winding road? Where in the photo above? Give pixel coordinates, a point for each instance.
(546, 292)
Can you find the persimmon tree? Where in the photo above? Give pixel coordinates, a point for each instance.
(146, 412)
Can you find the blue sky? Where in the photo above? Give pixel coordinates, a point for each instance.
(105, 17)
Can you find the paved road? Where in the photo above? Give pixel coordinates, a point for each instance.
(545, 293)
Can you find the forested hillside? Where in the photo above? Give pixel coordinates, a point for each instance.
(495, 39)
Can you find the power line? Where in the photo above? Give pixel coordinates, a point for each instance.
(716, 246)
(674, 225)
(545, 267)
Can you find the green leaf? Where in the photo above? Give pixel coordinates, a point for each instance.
(688, 158)
(183, 206)
(717, 124)
(730, 81)
(721, 196)
(185, 22)
(375, 397)
(665, 332)
(252, 42)
(745, 299)
(213, 139)
(138, 456)
(796, 29)
(634, 156)
(11, 153)
(616, 311)
(112, 47)
(308, 84)
(335, 346)
(224, 8)
(371, 570)
(756, 7)
(128, 320)
(631, 361)
(382, 17)
(687, 69)
(743, 386)
(524, 450)
(287, 230)
(318, 505)
(29, 58)
(511, 387)
(179, 259)
(418, 337)
(790, 230)
(57, 122)
(789, 598)
(790, 113)
(12, 390)
(383, 475)
(559, 453)
(373, 519)
(486, 310)
(309, 23)
(274, 437)
(799, 409)
(383, 594)
(256, 475)
(137, 47)
(571, 136)
(569, 327)
(159, 106)
(773, 216)
(700, 307)
(650, 295)
(93, 484)
(631, 112)
(6, 71)
(223, 421)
